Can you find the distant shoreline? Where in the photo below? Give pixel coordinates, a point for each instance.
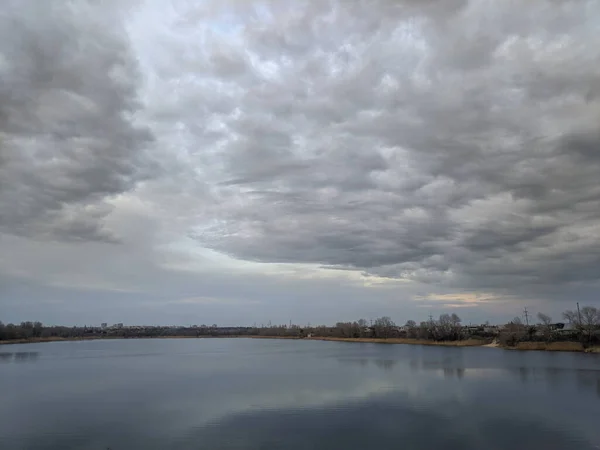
(406, 341)
(97, 338)
(522, 346)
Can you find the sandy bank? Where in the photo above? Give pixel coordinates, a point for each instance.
(556, 347)
(465, 343)
(525, 346)
(539, 346)
(49, 339)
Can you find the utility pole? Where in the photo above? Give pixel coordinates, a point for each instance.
(526, 314)
(579, 313)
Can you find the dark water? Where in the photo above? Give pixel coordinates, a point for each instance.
(277, 394)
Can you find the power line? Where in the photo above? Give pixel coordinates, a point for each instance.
(526, 314)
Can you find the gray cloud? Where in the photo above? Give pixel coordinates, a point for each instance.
(439, 141)
(455, 144)
(68, 132)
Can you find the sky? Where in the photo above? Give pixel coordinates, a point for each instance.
(240, 162)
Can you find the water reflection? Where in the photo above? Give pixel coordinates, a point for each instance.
(585, 380)
(385, 422)
(454, 366)
(385, 364)
(451, 365)
(362, 362)
(253, 394)
(452, 372)
(17, 357)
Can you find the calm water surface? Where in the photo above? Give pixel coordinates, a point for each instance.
(278, 394)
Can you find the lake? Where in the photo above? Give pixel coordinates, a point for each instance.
(287, 394)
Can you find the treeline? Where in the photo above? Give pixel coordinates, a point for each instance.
(36, 330)
(581, 325)
(447, 328)
(26, 330)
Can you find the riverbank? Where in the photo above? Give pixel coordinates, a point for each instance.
(555, 347)
(50, 339)
(406, 341)
(521, 346)
(97, 338)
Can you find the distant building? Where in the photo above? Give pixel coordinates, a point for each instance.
(119, 325)
(104, 325)
(490, 329)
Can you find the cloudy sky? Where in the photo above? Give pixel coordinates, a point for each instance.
(239, 161)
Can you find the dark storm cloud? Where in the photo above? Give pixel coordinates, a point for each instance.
(68, 100)
(454, 142)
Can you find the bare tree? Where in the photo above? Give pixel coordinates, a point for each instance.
(411, 328)
(456, 325)
(586, 320)
(425, 330)
(515, 325)
(572, 317)
(362, 326)
(444, 322)
(448, 326)
(544, 319)
(590, 320)
(383, 326)
(348, 329)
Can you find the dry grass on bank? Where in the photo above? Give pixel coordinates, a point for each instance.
(97, 338)
(551, 346)
(272, 337)
(540, 346)
(47, 339)
(465, 343)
